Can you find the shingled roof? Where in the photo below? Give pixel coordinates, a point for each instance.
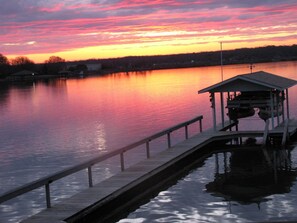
(257, 81)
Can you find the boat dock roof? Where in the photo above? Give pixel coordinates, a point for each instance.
(256, 84)
(257, 81)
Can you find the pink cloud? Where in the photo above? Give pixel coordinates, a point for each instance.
(61, 26)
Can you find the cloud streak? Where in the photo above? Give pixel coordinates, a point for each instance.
(45, 27)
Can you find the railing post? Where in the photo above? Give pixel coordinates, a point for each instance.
(122, 161)
(48, 195)
(200, 124)
(186, 131)
(168, 140)
(147, 149)
(90, 176)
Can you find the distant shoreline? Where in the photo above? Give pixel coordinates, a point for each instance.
(116, 71)
(266, 54)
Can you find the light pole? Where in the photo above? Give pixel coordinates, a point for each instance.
(222, 74)
(221, 93)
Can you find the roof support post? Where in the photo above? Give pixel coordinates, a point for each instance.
(222, 109)
(288, 113)
(228, 99)
(283, 108)
(277, 106)
(271, 109)
(213, 105)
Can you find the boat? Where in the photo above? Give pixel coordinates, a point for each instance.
(265, 113)
(237, 113)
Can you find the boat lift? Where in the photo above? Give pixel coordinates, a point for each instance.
(260, 90)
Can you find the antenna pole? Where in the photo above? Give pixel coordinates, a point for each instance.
(222, 74)
(222, 94)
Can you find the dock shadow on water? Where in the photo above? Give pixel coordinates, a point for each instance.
(236, 183)
(250, 175)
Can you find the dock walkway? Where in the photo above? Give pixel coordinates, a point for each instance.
(124, 187)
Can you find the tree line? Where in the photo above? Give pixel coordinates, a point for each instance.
(237, 56)
(52, 65)
(139, 63)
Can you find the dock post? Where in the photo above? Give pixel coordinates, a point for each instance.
(213, 105)
(277, 107)
(48, 195)
(147, 149)
(271, 109)
(186, 132)
(168, 140)
(217, 164)
(288, 113)
(275, 166)
(90, 176)
(285, 134)
(122, 162)
(265, 136)
(222, 109)
(283, 106)
(236, 129)
(225, 164)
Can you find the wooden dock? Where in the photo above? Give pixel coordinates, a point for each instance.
(118, 192)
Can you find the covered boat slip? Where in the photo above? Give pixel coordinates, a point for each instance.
(263, 92)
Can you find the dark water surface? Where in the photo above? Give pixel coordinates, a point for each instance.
(242, 185)
(48, 126)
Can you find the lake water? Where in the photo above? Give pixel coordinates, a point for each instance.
(47, 126)
(237, 186)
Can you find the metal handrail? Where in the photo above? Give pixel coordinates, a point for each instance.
(46, 181)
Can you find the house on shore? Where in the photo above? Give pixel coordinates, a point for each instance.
(23, 75)
(84, 67)
(94, 66)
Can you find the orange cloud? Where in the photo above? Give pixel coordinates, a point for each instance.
(115, 28)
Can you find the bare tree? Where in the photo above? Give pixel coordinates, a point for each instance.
(54, 64)
(22, 63)
(4, 65)
(21, 60)
(3, 60)
(55, 59)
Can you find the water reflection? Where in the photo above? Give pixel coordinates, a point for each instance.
(249, 176)
(248, 184)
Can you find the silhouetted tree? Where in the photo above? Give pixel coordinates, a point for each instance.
(54, 64)
(55, 59)
(4, 66)
(22, 63)
(3, 60)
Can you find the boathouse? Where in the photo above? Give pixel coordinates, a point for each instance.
(261, 92)
(23, 75)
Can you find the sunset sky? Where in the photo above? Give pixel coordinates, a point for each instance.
(83, 29)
